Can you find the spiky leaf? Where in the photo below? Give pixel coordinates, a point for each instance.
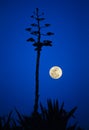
(21, 121)
(70, 114)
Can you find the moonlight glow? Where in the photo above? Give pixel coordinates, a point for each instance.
(55, 72)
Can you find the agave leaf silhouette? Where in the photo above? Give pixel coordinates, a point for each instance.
(6, 122)
(21, 120)
(14, 125)
(70, 114)
(9, 117)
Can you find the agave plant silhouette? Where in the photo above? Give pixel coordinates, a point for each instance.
(53, 117)
(32, 122)
(38, 44)
(5, 122)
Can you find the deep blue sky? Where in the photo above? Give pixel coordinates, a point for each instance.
(69, 21)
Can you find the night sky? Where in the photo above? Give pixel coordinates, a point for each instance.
(69, 21)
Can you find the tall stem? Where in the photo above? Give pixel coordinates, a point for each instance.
(37, 67)
(37, 83)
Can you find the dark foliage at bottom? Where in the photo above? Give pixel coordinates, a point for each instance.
(51, 118)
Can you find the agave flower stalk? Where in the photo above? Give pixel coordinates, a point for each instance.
(36, 31)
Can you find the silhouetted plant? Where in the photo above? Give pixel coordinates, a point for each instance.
(53, 117)
(5, 122)
(31, 122)
(56, 118)
(38, 44)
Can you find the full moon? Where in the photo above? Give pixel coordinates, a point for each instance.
(55, 72)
